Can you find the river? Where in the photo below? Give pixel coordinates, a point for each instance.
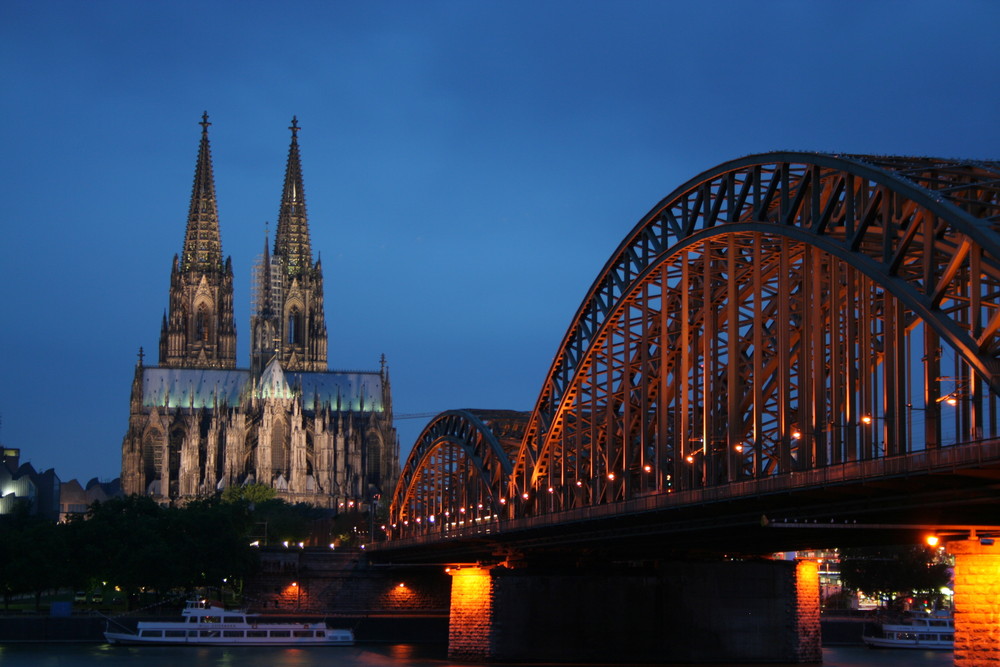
(369, 655)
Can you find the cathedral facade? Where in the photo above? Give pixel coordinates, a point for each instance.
(198, 423)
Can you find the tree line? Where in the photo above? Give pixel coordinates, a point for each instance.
(134, 545)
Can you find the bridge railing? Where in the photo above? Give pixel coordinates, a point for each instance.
(952, 457)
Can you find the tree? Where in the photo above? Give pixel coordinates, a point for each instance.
(33, 556)
(123, 542)
(250, 493)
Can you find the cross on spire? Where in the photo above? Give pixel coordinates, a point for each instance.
(204, 123)
(294, 127)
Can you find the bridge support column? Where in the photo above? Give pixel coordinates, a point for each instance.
(470, 622)
(977, 603)
(732, 611)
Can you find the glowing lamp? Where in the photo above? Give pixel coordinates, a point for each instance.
(932, 540)
(866, 419)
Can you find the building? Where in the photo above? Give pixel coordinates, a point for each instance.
(75, 499)
(21, 486)
(198, 423)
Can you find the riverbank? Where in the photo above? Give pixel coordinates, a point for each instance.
(374, 628)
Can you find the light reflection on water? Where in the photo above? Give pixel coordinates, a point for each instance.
(375, 655)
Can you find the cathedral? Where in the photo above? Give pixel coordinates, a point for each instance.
(198, 423)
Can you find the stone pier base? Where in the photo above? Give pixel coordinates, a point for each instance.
(734, 611)
(977, 603)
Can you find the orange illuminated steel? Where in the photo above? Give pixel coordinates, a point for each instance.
(775, 293)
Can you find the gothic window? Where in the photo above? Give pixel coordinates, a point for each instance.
(152, 457)
(295, 326)
(174, 460)
(201, 324)
(279, 448)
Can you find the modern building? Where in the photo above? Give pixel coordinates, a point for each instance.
(198, 423)
(23, 486)
(75, 499)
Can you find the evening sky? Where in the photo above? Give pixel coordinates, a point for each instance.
(469, 167)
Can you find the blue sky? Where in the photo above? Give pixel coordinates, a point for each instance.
(469, 166)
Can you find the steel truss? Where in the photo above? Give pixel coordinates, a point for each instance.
(458, 471)
(779, 313)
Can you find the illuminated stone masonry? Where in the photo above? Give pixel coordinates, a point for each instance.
(977, 590)
(199, 424)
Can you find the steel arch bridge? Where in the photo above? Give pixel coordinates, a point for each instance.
(781, 312)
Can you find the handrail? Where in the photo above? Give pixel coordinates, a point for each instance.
(951, 457)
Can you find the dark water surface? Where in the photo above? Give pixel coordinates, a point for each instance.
(375, 655)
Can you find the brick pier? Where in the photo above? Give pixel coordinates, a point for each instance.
(977, 603)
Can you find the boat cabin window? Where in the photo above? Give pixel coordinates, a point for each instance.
(232, 633)
(211, 619)
(280, 633)
(232, 619)
(151, 633)
(175, 633)
(302, 633)
(256, 633)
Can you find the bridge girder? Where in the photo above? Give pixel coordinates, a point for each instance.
(459, 469)
(780, 312)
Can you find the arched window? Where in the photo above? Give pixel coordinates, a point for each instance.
(279, 448)
(294, 326)
(201, 324)
(152, 457)
(174, 461)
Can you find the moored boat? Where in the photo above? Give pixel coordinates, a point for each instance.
(922, 631)
(208, 624)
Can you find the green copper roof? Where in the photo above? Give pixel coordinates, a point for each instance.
(205, 388)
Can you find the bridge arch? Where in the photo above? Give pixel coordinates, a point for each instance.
(458, 472)
(776, 313)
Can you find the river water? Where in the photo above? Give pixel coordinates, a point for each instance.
(372, 655)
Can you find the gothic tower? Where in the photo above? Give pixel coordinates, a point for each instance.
(198, 424)
(288, 322)
(198, 331)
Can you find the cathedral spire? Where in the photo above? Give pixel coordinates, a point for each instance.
(202, 241)
(291, 242)
(198, 331)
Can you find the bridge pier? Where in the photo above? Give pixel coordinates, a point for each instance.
(732, 611)
(977, 591)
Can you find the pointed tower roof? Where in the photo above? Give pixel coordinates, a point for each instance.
(202, 241)
(273, 383)
(291, 242)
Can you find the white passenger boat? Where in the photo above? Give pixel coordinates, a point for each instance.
(923, 631)
(205, 623)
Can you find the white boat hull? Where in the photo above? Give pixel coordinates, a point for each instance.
(932, 645)
(130, 638)
(207, 624)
